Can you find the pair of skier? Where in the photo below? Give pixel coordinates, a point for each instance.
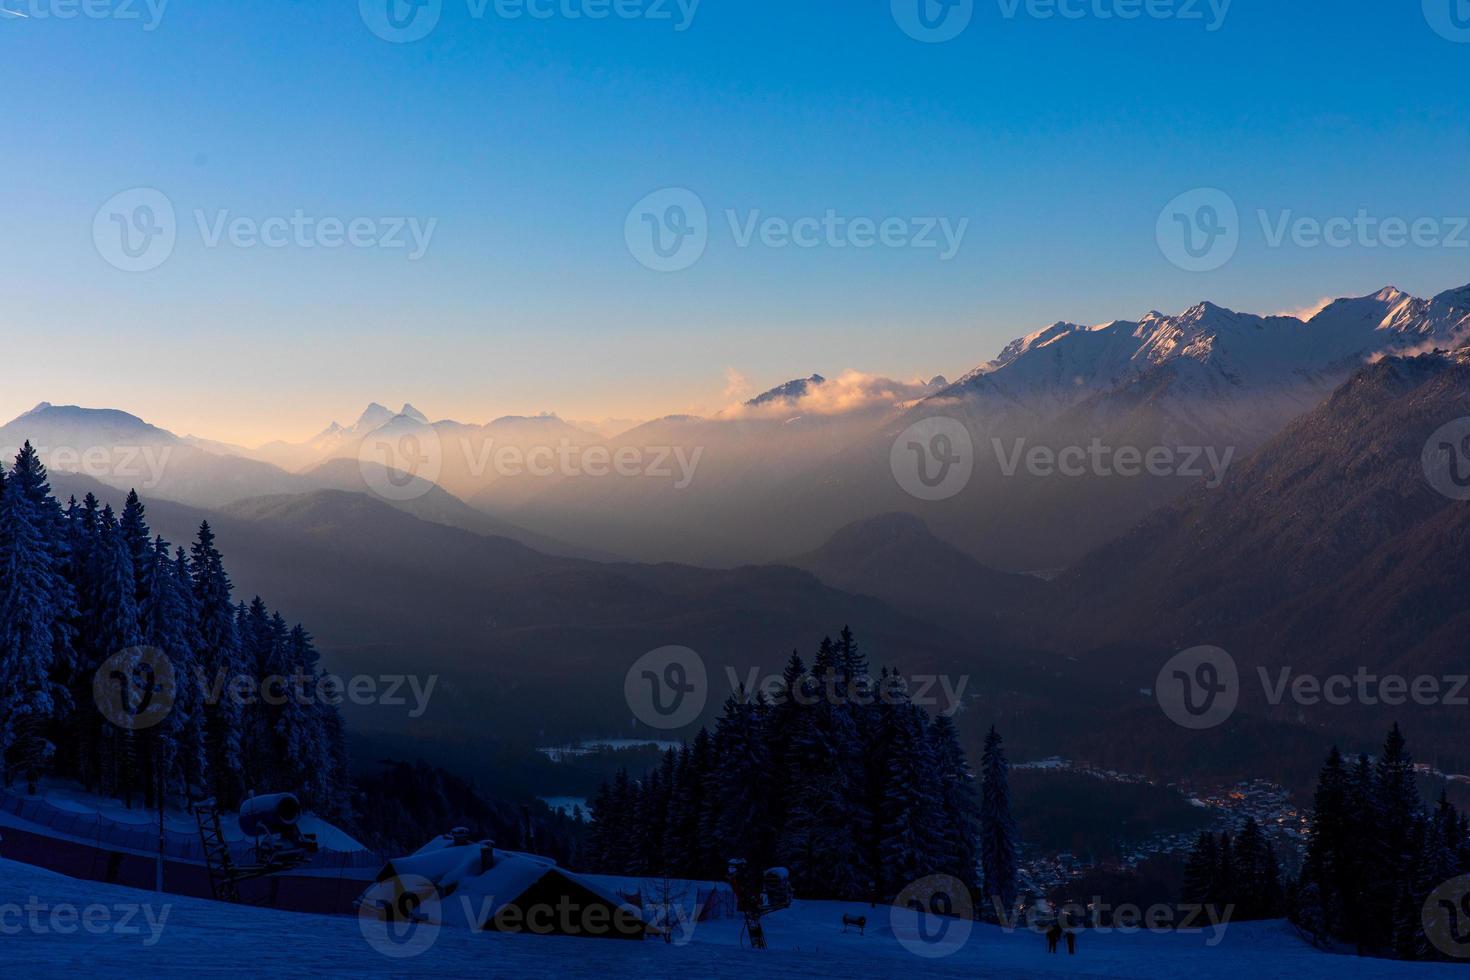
(1055, 934)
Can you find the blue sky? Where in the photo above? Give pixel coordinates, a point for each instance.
(527, 141)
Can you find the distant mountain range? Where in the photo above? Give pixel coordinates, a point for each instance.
(780, 474)
(1323, 548)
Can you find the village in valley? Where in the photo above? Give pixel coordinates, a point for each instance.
(1226, 808)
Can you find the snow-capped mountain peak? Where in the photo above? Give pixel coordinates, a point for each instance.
(1458, 298)
(372, 417)
(791, 391)
(1220, 348)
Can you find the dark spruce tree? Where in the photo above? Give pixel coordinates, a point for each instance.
(999, 839)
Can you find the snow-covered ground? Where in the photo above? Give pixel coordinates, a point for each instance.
(188, 937)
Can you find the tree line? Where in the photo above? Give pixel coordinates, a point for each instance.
(81, 584)
(1239, 874)
(1377, 854)
(856, 795)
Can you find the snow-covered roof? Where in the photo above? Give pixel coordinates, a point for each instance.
(467, 889)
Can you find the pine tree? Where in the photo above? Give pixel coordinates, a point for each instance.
(743, 824)
(958, 805)
(29, 620)
(138, 539)
(219, 649)
(1200, 885)
(1326, 865)
(37, 606)
(1258, 876)
(912, 840)
(818, 842)
(999, 856)
(114, 608)
(166, 622)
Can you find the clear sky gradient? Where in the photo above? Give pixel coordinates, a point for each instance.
(528, 140)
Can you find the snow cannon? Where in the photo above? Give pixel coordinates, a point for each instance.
(262, 816)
